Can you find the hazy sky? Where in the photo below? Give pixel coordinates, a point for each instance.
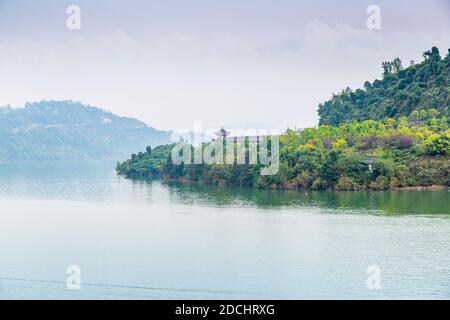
(247, 63)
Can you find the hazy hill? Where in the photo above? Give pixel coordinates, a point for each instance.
(67, 130)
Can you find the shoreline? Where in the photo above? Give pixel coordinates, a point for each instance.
(434, 187)
(419, 188)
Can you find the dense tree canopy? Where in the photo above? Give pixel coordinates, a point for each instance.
(392, 134)
(145, 164)
(414, 90)
(363, 155)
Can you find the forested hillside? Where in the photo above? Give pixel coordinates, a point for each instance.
(394, 133)
(66, 130)
(413, 92)
(375, 155)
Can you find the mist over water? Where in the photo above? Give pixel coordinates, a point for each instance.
(156, 240)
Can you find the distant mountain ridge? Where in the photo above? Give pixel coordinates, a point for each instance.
(67, 130)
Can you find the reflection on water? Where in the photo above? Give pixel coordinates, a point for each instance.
(394, 202)
(96, 181)
(153, 240)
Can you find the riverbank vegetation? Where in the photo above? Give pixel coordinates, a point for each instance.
(145, 164)
(391, 135)
(377, 155)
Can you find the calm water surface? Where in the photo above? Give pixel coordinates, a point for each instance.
(147, 239)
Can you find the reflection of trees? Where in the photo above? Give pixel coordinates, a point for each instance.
(393, 202)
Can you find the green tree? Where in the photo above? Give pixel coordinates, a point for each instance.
(387, 67)
(415, 116)
(402, 122)
(396, 65)
(423, 114)
(327, 170)
(433, 113)
(390, 123)
(444, 124)
(434, 125)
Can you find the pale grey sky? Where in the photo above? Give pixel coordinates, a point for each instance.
(248, 63)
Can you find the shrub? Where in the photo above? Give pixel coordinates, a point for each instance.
(370, 142)
(402, 175)
(383, 167)
(346, 184)
(340, 144)
(401, 142)
(304, 179)
(439, 145)
(327, 143)
(319, 184)
(380, 183)
(394, 183)
(350, 141)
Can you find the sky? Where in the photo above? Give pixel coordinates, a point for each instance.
(238, 64)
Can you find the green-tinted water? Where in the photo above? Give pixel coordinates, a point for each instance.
(147, 239)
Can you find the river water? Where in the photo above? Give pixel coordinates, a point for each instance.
(153, 240)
